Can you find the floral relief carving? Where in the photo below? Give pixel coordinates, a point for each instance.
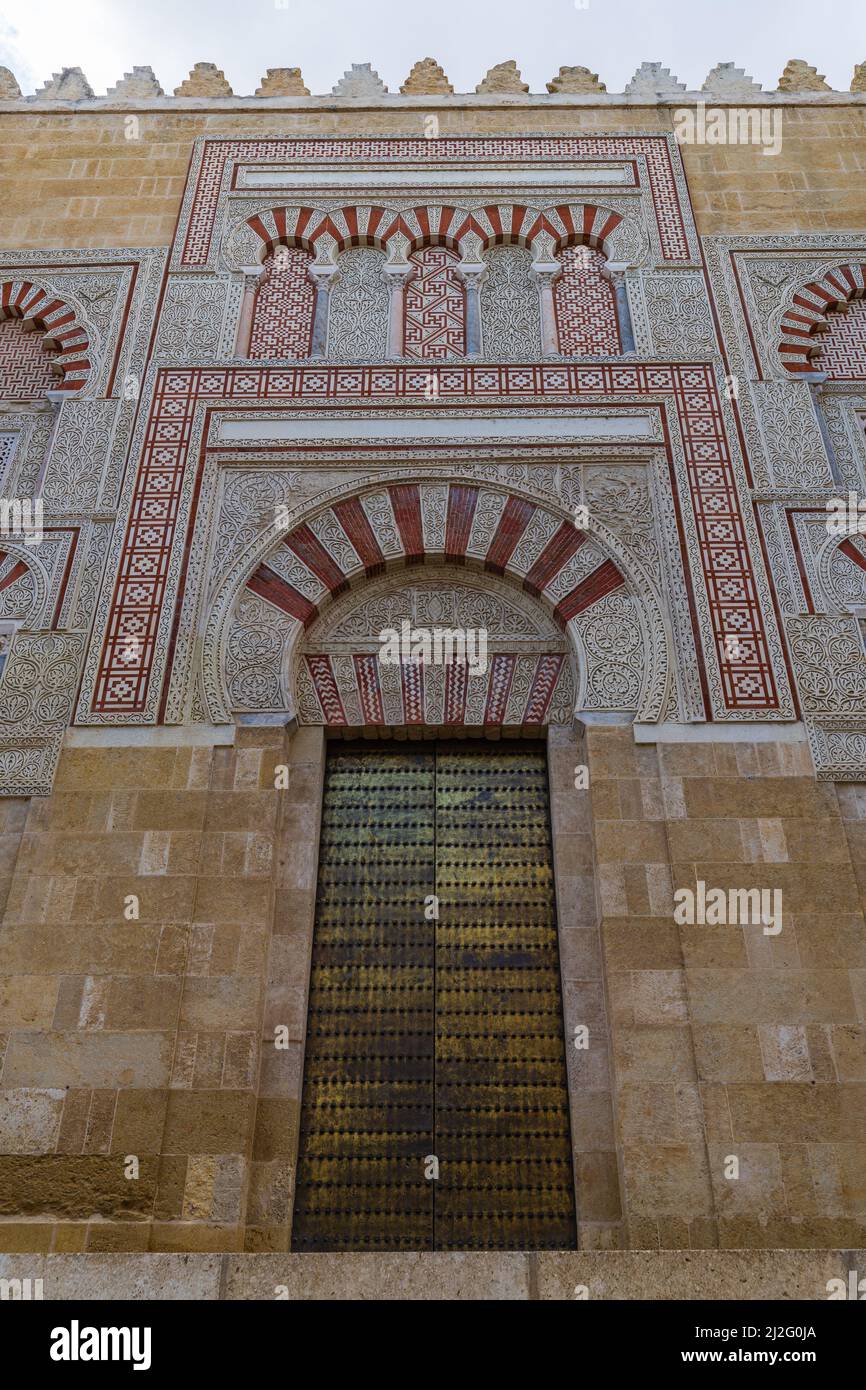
(358, 323)
(510, 312)
(679, 312)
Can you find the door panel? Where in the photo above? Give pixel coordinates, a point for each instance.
(431, 1036)
(367, 1107)
(502, 1126)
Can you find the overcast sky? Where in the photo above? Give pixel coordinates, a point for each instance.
(323, 37)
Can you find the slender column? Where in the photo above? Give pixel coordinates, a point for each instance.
(544, 273)
(473, 274)
(396, 278)
(815, 380)
(614, 271)
(324, 277)
(251, 275)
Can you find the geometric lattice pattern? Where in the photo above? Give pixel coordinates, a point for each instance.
(284, 307)
(44, 313)
(815, 325)
(145, 566)
(585, 306)
(842, 348)
(435, 306)
(25, 364)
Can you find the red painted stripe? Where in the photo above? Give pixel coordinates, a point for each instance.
(322, 674)
(304, 217)
(367, 681)
(602, 581)
(412, 679)
(849, 548)
(612, 222)
(512, 524)
(355, 523)
(25, 292)
(588, 219)
(848, 276)
(310, 550)
(15, 573)
(406, 501)
(495, 218)
(461, 509)
(837, 285)
(259, 228)
(544, 679)
(456, 676)
(498, 686)
(564, 212)
(822, 293)
(279, 216)
(274, 588)
(556, 553)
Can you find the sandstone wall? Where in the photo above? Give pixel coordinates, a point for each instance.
(75, 178)
(142, 1038)
(155, 1037)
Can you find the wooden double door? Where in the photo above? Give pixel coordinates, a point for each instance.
(435, 1109)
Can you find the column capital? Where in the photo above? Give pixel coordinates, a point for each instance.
(252, 272)
(471, 272)
(545, 272)
(323, 273)
(614, 271)
(397, 275)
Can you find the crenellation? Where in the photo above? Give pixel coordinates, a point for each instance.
(651, 84)
(205, 80)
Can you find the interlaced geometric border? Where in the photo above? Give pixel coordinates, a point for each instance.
(126, 661)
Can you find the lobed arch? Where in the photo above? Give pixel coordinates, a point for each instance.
(461, 228)
(319, 229)
(531, 545)
(24, 585)
(841, 568)
(806, 317)
(64, 333)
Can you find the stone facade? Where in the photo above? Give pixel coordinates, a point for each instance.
(588, 384)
